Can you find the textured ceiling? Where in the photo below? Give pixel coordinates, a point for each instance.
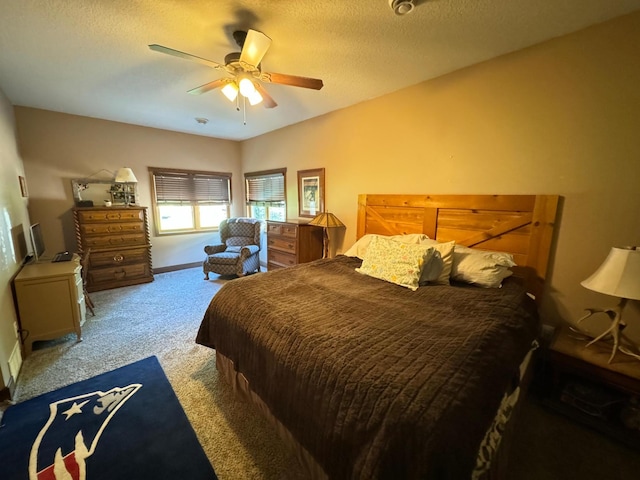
(91, 57)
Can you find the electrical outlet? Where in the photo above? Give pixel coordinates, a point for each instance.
(15, 330)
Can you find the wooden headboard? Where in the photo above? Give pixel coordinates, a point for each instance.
(518, 224)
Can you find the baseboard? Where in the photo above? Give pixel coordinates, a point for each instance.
(174, 268)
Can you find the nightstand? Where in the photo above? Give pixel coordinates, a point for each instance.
(583, 386)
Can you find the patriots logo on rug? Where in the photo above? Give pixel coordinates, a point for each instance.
(72, 432)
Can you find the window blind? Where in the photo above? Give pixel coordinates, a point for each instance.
(267, 188)
(183, 187)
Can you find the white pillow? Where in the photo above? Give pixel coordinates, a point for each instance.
(481, 267)
(438, 270)
(396, 262)
(359, 249)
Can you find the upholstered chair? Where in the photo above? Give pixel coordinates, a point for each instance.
(238, 252)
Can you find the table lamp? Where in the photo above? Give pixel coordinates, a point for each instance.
(326, 220)
(618, 276)
(125, 175)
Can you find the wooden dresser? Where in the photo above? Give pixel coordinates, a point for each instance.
(290, 243)
(120, 247)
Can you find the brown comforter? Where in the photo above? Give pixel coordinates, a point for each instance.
(374, 380)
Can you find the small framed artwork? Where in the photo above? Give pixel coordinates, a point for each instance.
(310, 192)
(23, 186)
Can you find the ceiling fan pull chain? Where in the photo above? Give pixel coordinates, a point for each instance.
(244, 110)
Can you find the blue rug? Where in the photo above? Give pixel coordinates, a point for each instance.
(123, 424)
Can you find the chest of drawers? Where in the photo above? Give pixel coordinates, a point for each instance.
(120, 246)
(291, 243)
(50, 301)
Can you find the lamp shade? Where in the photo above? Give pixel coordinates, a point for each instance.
(125, 175)
(246, 86)
(230, 90)
(619, 275)
(327, 220)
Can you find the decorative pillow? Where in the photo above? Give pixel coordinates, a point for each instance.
(438, 269)
(396, 262)
(481, 267)
(359, 249)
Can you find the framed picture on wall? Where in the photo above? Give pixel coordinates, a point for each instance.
(310, 192)
(23, 186)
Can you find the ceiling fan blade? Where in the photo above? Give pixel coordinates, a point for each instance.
(269, 102)
(209, 86)
(255, 46)
(186, 56)
(294, 81)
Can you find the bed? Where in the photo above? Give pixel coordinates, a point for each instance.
(369, 379)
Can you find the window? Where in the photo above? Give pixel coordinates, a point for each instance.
(265, 194)
(189, 201)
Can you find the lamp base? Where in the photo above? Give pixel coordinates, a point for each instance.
(325, 243)
(615, 330)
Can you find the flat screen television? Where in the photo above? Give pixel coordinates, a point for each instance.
(37, 241)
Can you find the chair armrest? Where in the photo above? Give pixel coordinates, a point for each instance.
(249, 250)
(211, 249)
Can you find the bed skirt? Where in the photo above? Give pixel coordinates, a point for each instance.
(241, 387)
(493, 453)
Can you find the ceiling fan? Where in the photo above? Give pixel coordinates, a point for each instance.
(245, 71)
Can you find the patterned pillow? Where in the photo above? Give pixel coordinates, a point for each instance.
(359, 249)
(395, 262)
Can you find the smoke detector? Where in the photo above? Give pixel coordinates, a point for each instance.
(401, 7)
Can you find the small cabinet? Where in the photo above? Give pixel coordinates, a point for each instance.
(291, 243)
(50, 301)
(587, 388)
(120, 245)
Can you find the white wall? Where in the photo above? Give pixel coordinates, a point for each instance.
(58, 147)
(14, 226)
(560, 118)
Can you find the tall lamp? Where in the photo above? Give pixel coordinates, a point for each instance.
(326, 220)
(125, 175)
(618, 276)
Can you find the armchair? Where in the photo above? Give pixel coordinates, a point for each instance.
(238, 254)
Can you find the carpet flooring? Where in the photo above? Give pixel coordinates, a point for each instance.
(161, 318)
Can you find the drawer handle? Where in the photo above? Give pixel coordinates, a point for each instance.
(118, 258)
(290, 245)
(120, 275)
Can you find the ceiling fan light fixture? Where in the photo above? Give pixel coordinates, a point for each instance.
(255, 98)
(247, 88)
(230, 90)
(401, 7)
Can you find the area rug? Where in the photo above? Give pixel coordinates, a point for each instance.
(126, 423)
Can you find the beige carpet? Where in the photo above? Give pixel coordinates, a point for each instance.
(162, 318)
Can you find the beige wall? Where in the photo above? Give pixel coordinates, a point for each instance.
(57, 147)
(14, 227)
(559, 118)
